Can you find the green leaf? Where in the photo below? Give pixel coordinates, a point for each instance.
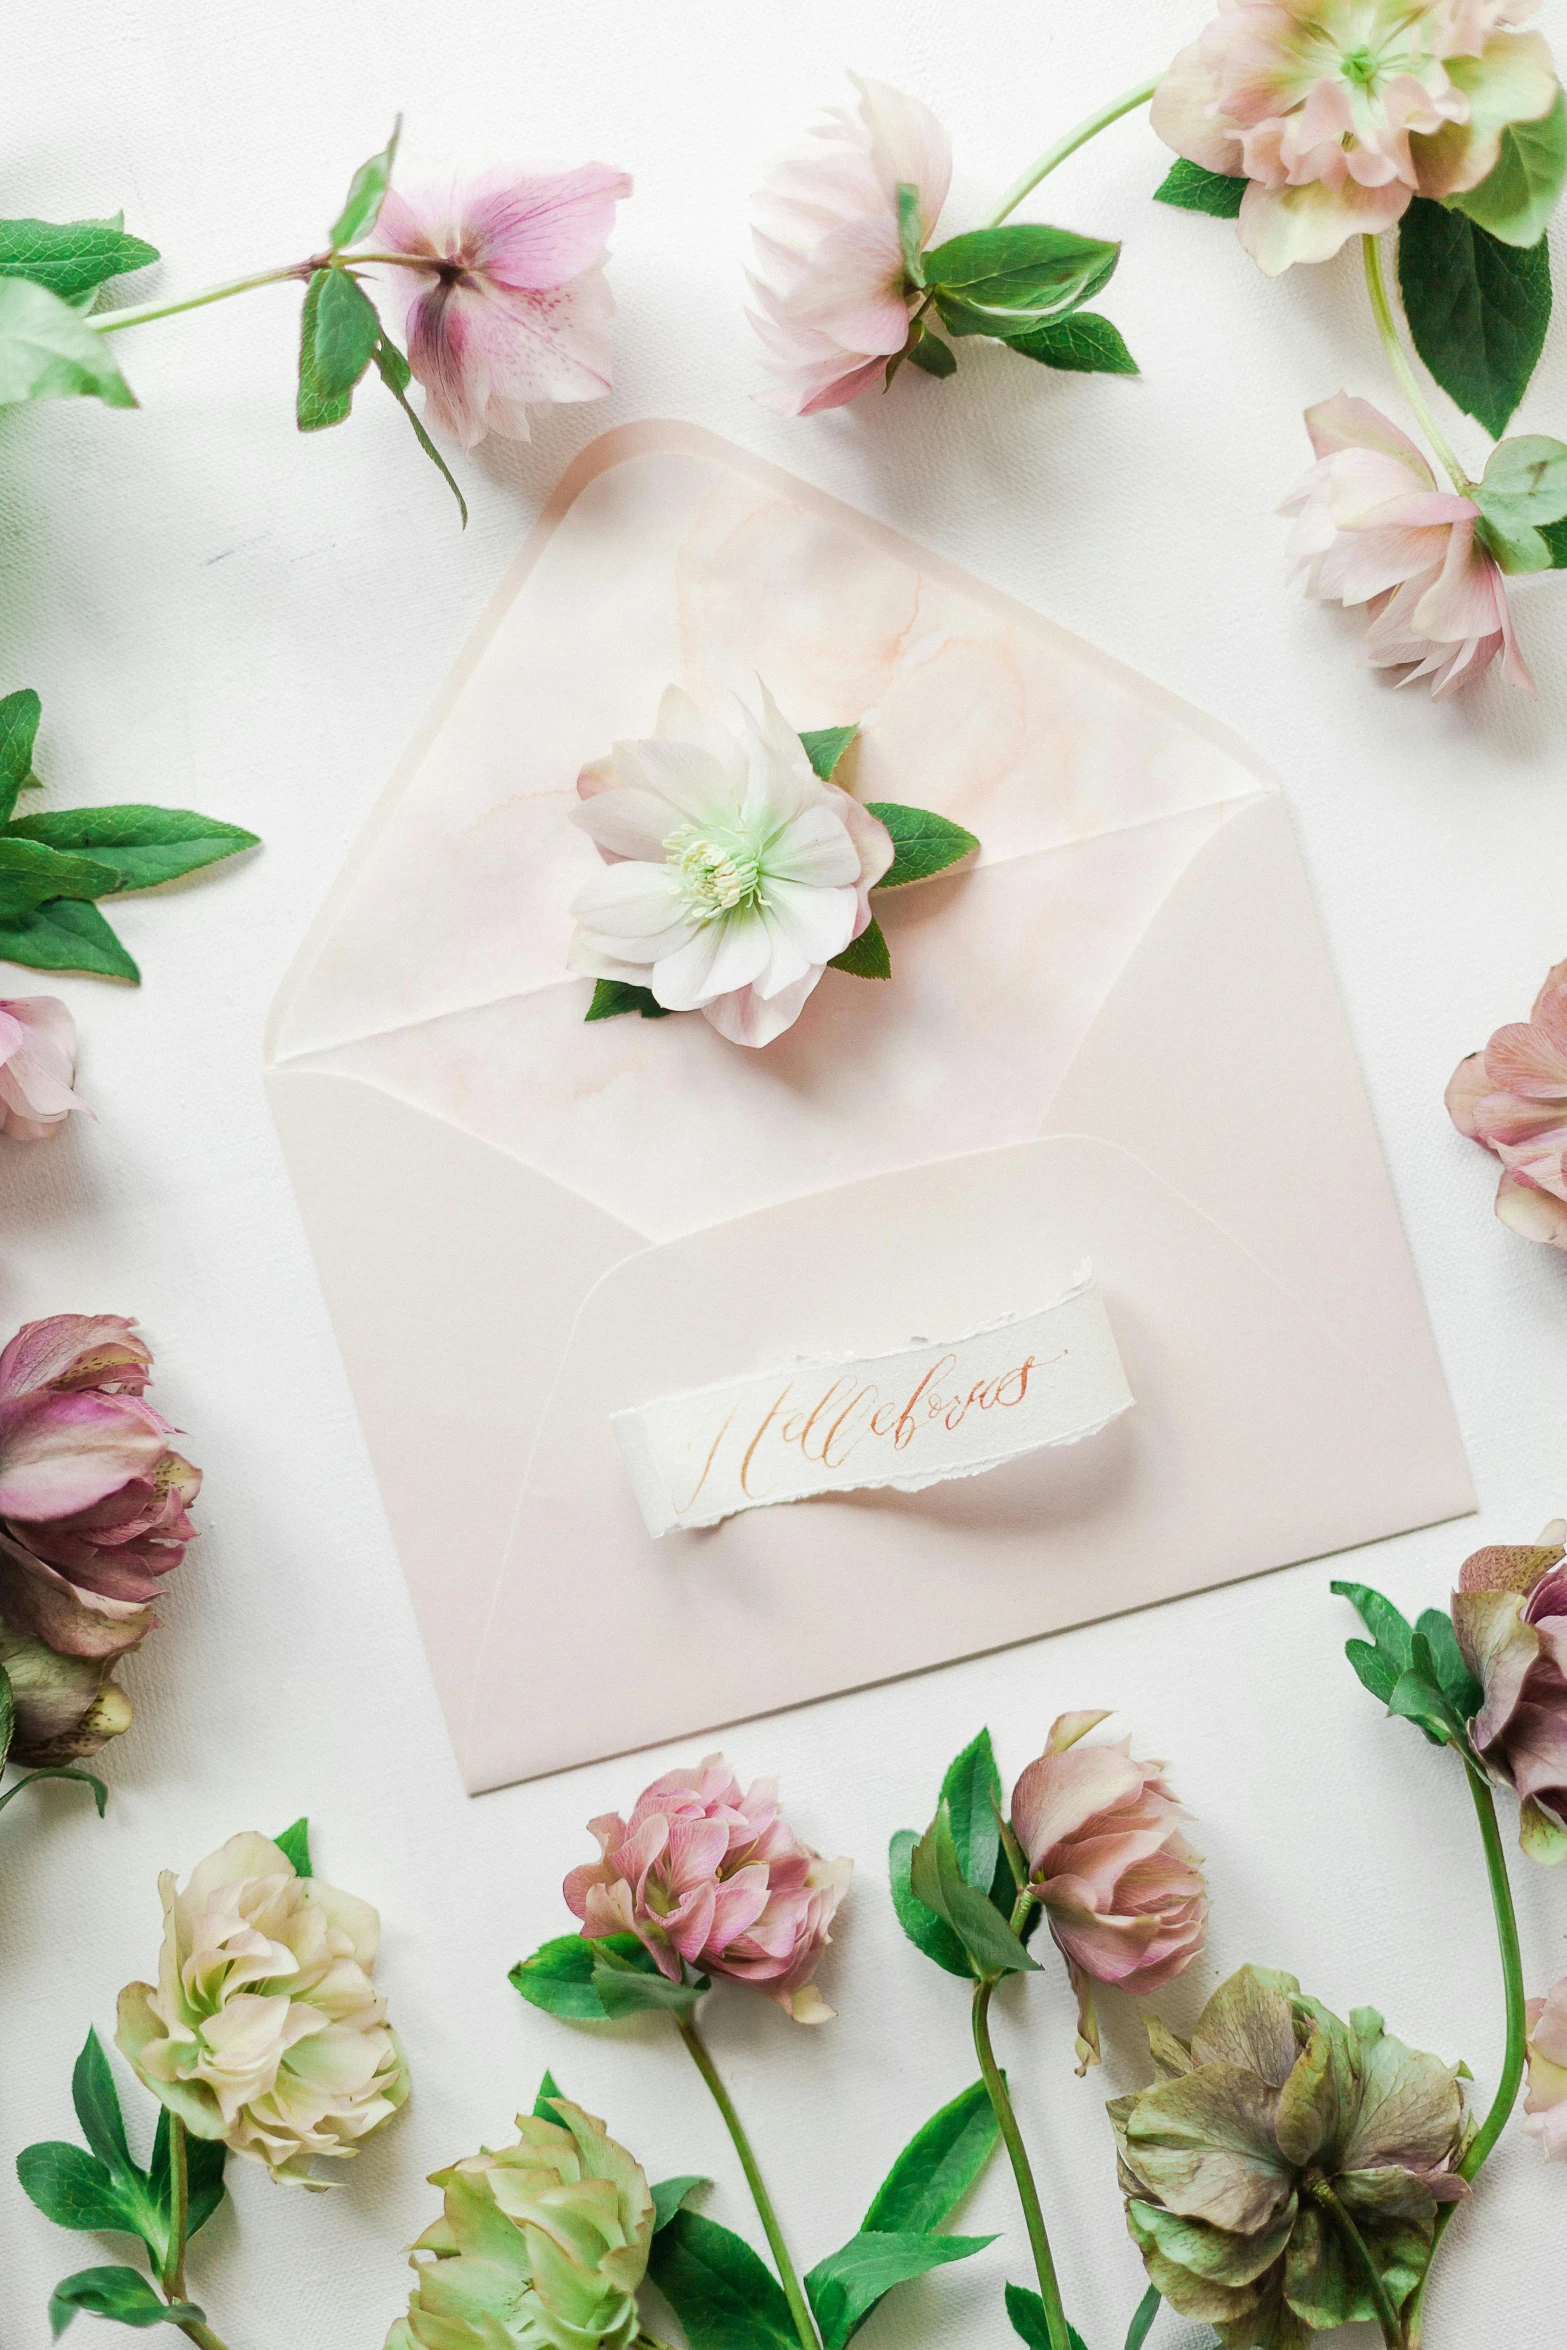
(1516, 198)
(1142, 2319)
(559, 1976)
(66, 935)
(75, 2190)
(544, 2103)
(294, 1844)
(72, 258)
(60, 1771)
(611, 997)
(49, 352)
(142, 846)
(929, 352)
(715, 2284)
(338, 335)
(19, 716)
(911, 232)
(825, 746)
(97, 2104)
(938, 1881)
(867, 956)
(1458, 1685)
(625, 1987)
(1477, 309)
(204, 2161)
(1027, 2313)
(991, 281)
(1524, 487)
(1192, 188)
(924, 1929)
(1085, 343)
(121, 2293)
(365, 191)
(844, 2288)
(7, 1715)
(971, 1792)
(924, 843)
(669, 2195)
(396, 374)
(1388, 1628)
(937, 2167)
(1373, 1668)
(31, 874)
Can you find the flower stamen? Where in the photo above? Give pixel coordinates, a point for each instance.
(713, 879)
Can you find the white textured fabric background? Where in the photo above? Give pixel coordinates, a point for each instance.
(223, 615)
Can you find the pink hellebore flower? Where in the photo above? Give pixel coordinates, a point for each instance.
(37, 1065)
(1372, 528)
(829, 276)
(1339, 111)
(92, 1501)
(1512, 1098)
(1546, 2104)
(1118, 1882)
(1510, 1615)
(703, 1874)
(504, 302)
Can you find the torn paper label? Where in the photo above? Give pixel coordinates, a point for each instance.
(910, 1418)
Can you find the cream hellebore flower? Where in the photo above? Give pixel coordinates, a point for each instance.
(542, 2245)
(832, 293)
(1373, 528)
(1339, 111)
(265, 2029)
(733, 874)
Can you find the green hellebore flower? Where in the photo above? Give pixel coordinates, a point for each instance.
(542, 2245)
(1267, 2145)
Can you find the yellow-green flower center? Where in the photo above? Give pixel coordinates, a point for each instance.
(715, 876)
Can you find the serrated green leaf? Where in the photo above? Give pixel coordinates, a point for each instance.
(76, 2190)
(923, 843)
(866, 957)
(294, 1844)
(936, 2168)
(72, 258)
(670, 2194)
(1416, 1698)
(559, 1976)
(1477, 308)
(938, 1881)
(1516, 198)
(32, 873)
(97, 2105)
(930, 353)
(204, 2161)
(1027, 2313)
(1191, 188)
(1084, 344)
(971, 1792)
(625, 1987)
(911, 232)
(1376, 1672)
(366, 190)
(142, 846)
(49, 352)
(1388, 1628)
(844, 2288)
(338, 335)
(121, 2293)
(19, 716)
(723, 2296)
(612, 997)
(993, 281)
(825, 746)
(67, 934)
(1458, 1685)
(396, 374)
(925, 1930)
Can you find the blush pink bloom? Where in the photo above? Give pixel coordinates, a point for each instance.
(1372, 528)
(707, 1877)
(1339, 111)
(92, 1500)
(1118, 1882)
(1510, 1615)
(37, 1067)
(1512, 1098)
(1545, 2107)
(504, 306)
(833, 298)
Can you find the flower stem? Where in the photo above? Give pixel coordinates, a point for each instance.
(112, 320)
(1089, 128)
(1516, 2050)
(172, 2274)
(1142, 2319)
(1360, 2253)
(1017, 2155)
(799, 2307)
(1408, 381)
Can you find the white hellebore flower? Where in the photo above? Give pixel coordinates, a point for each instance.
(733, 874)
(265, 2029)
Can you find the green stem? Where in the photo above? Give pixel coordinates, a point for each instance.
(1089, 128)
(112, 320)
(1360, 2253)
(1142, 2319)
(1017, 2154)
(172, 2274)
(195, 2331)
(799, 2307)
(1408, 381)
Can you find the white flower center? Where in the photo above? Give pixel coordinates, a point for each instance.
(715, 877)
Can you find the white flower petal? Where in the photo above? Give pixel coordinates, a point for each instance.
(814, 848)
(684, 774)
(635, 904)
(813, 924)
(747, 1018)
(627, 822)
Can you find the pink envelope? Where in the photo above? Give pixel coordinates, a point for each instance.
(1116, 1037)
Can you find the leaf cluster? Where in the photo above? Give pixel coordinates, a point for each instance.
(1418, 1670)
(45, 1770)
(596, 1982)
(958, 1889)
(1022, 284)
(50, 276)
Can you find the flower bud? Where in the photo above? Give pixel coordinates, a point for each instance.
(1510, 1615)
(66, 1707)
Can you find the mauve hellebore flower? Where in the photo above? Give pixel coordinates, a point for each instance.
(706, 1875)
(1545, 2107)
(92, 1515)
(1512, 1099)
(503, 303)
(1510, 1614)
(1119, 1884)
